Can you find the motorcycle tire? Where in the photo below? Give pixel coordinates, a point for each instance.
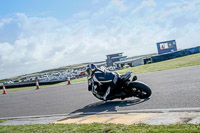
(139, 89)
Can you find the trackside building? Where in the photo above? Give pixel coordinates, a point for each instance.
(111, 58)
(131, 62)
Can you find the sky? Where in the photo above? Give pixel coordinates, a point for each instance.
(36, 35)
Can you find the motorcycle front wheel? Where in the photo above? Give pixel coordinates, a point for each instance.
(98, 97)
(139, 89)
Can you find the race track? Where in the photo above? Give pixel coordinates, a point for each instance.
(176, 88)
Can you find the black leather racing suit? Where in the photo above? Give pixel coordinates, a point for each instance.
(102, 76)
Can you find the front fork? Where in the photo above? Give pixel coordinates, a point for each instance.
(133, 79)
(127, 89)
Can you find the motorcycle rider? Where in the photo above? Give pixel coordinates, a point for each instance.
(102, 75)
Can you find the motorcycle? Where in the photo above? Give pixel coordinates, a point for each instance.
(126, 87)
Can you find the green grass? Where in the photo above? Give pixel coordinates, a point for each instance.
(79, 80)
(32, 87)
(2, 120)
(100, 128)
(185, 61)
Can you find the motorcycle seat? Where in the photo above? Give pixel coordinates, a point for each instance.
(125, 76)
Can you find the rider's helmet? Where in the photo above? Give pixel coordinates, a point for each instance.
(90, 69)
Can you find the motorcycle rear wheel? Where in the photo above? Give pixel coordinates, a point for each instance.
(139, 89)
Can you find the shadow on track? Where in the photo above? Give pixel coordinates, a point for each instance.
(103, 106)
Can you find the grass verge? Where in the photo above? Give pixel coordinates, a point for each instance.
(79, 80)
(100, 128)
(32, 87)
(186, 61)
(2, 120)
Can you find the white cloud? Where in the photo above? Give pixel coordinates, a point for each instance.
(47, 42)
(171, 4)
(120, 4)
(181, 7)
(169, 12)
(4, 21)
(184, 4)
(149, 3)
(190, 5)
(146, 3)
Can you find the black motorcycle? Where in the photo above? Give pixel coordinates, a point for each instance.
(126, 87)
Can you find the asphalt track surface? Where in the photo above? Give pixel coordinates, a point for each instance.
(176, 88)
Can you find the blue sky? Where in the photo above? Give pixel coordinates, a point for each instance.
(61, 9)
(38, 35)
